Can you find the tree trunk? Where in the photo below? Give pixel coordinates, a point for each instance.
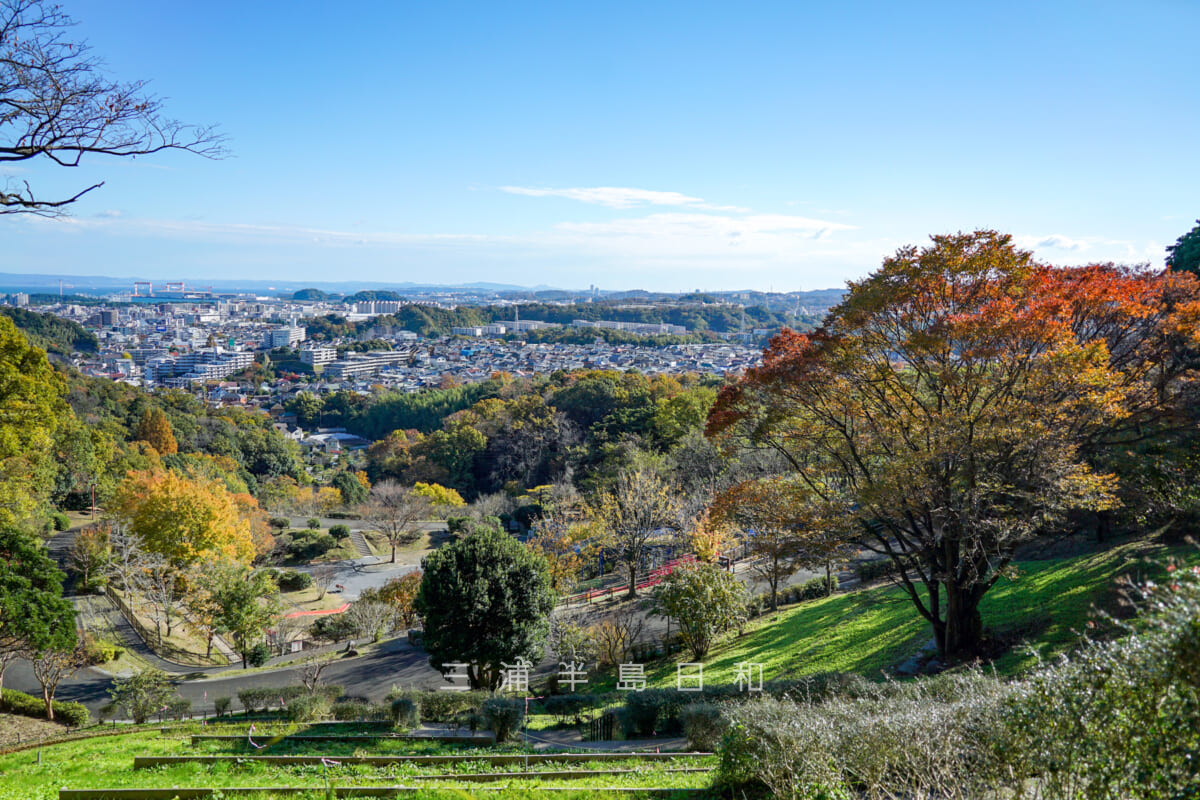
(632, 593)
(208, 655)
(961, 631)
(48, 698)
(393, 552)
(828, 578)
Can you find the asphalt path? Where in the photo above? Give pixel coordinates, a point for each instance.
(369, 676)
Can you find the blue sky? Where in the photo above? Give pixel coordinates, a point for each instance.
(668, 146)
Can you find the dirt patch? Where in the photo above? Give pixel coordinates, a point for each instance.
(15, 729)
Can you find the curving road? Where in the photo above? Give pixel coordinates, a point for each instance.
(370, 676)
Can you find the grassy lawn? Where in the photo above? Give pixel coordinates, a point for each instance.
(1046, 602)
(411, 553)
(310, 600)
(107, 762)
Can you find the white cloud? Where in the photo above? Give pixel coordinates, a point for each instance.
(1066, 250)
(618, 197)
(1062, 243)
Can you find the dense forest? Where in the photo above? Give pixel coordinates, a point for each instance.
(425, 320)
(52, 334)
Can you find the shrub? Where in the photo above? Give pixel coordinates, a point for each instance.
(813, 589)
(405, 713)
(445, 706)
(564, 707)
(333, 628)
(652, 711)
(1121, 718)
(253, 700)
(61, 521)
(350, 710)
(868, 571)
(503, 715)
(221, 705)
(13, 702)
(279, 523)
(177, 708)
(99, 651)
(704, 725)
(258, 655)
(313, 523)
(294, 581)
(308, 707)
(343, 515)
(340, 532)
(307, 545)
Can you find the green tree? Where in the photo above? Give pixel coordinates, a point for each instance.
(30, 395)
(142, 693)
(705, 600)
(1184, 255)
(354, 491)
(249, 603)
(34, 616)
(486, 601)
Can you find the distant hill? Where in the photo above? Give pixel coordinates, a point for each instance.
(52, 334)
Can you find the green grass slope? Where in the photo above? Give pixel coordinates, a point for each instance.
(1046, 603)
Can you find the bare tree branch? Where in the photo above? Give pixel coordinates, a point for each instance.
(57, 104)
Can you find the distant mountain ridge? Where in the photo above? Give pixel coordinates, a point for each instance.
(101, 284)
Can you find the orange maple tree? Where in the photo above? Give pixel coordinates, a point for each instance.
(946, 408)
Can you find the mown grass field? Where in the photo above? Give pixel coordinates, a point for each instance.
(107, 763)
(1047, 603)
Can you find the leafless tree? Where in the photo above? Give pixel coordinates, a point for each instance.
(323, 576)
(51, 666)
(370, 617)
(615, 634)
(310, 672)
(126, 557)
(158, 582)
(57, 105)
(287, 629)
(395, 511)
(492, 505)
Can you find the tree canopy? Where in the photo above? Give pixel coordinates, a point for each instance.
(31, 410)
(186, 520)
(1184, 255)
(486, 601)
(947, 407)
(34, 616)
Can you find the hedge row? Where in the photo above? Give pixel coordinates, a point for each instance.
(13, 702)
(279, 696)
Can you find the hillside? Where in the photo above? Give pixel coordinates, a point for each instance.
(1045, 605)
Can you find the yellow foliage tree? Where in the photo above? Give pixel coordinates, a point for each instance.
(185, 520)
(154, 429)
(439, 495)
(31, 408)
